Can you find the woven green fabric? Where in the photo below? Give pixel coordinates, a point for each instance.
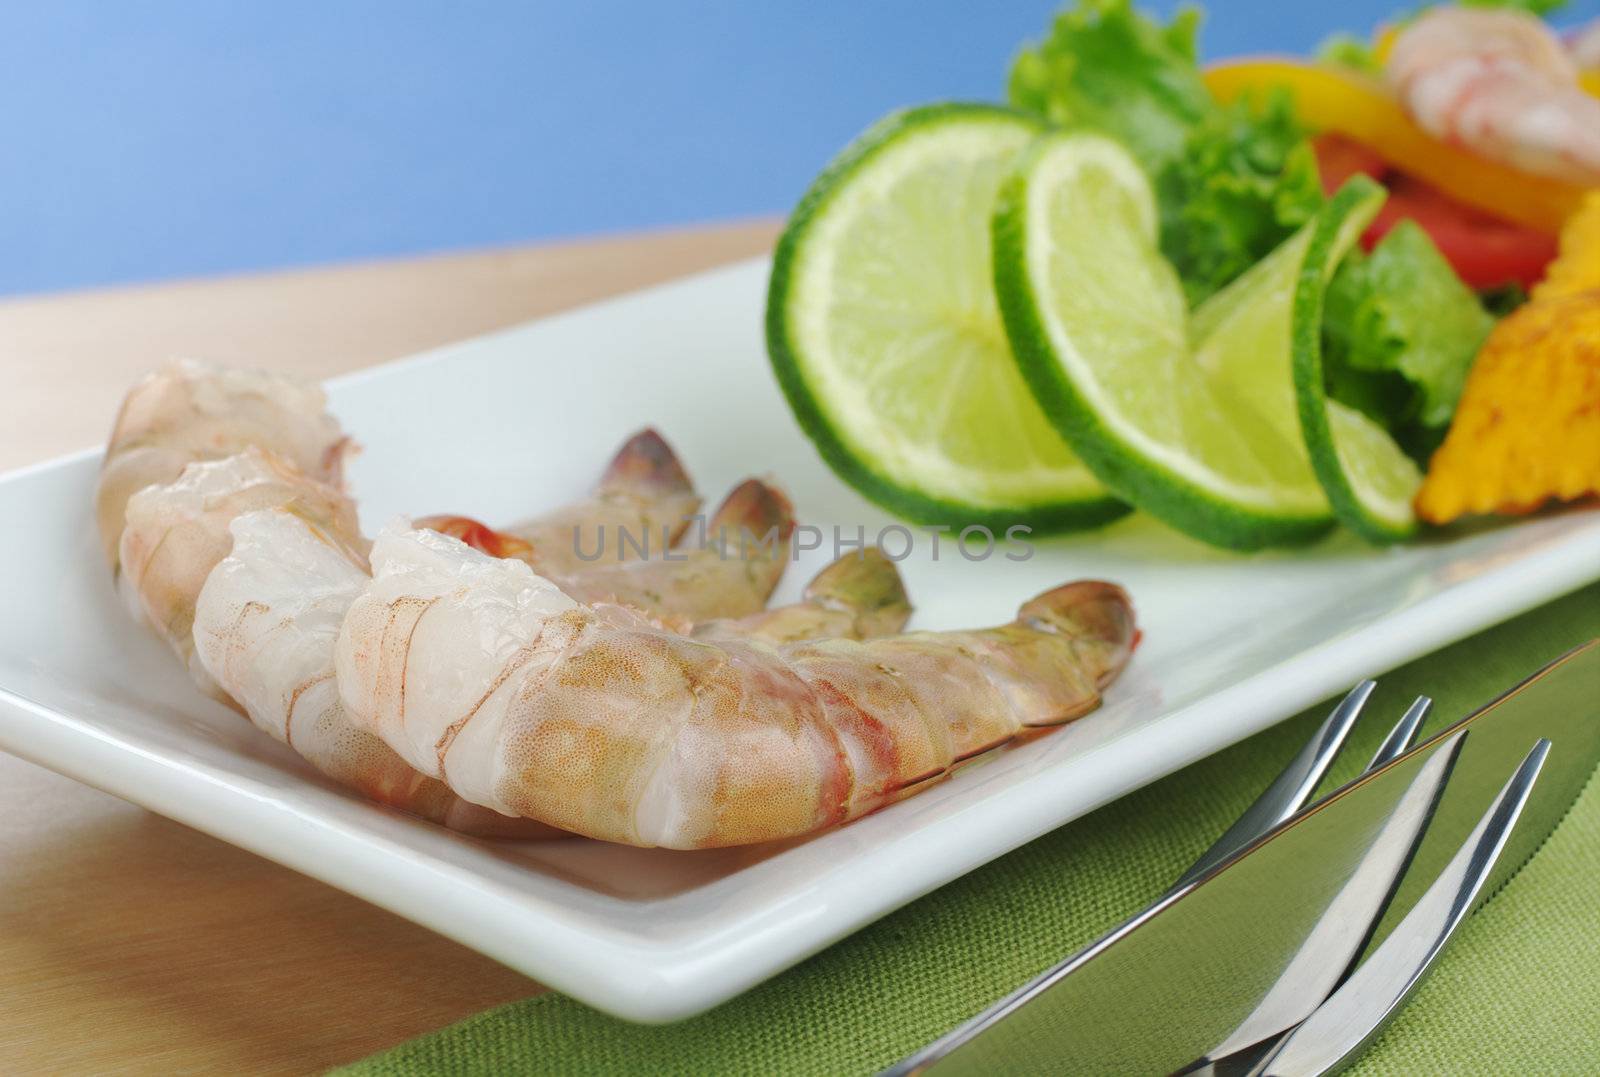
(1518, 991)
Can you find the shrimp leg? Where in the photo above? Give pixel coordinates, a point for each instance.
(595, 719)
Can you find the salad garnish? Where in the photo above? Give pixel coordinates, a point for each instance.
(1474, 137)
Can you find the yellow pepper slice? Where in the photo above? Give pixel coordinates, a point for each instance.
(1346, 103)
(1383, 44)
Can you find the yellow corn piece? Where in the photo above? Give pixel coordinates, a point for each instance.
(1527, 429)
(1577, 266)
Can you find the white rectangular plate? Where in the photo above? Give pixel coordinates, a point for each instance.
(506, 425)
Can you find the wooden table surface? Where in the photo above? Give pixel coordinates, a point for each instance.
(130, 943)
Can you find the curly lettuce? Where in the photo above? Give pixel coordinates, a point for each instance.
(1246, 181)
(1232, 183)
(1400, 331)
(1105, 65)
(1350, 52)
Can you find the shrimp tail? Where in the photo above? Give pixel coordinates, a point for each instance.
(644, 501)
(727, 569)
(648, 466)
(1098, 616)
(866, 586)
(859, 596)
(752, 526)
(755, 511)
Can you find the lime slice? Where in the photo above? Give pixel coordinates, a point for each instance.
(1368, 479)
(1203, 435)
(884, 333)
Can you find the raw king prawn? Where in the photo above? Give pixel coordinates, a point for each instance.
(644, 699)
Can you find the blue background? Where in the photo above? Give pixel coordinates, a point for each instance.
(146, 141)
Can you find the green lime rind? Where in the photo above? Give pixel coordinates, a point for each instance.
(1345, 447)
(919, 498)
(1157, 486)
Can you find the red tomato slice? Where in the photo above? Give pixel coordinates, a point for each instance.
(1485, 250)
(1339, 158)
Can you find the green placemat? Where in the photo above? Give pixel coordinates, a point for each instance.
(1518, 992)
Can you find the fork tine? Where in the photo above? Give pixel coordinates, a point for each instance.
(1291, 789)
(1374, 993)
(1404, 734)
(1345, 926)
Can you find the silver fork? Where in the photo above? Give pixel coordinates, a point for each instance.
(1350, 1018)
(1287, 795)
(1278, 934)
(1293, 788)
(1325, 959)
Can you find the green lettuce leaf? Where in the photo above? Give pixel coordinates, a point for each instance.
(1107, 66)
(1401, 329)
(1246, 181)
(1541, 8)
(1350, 51)
(1232, 182)
(1400, 332)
